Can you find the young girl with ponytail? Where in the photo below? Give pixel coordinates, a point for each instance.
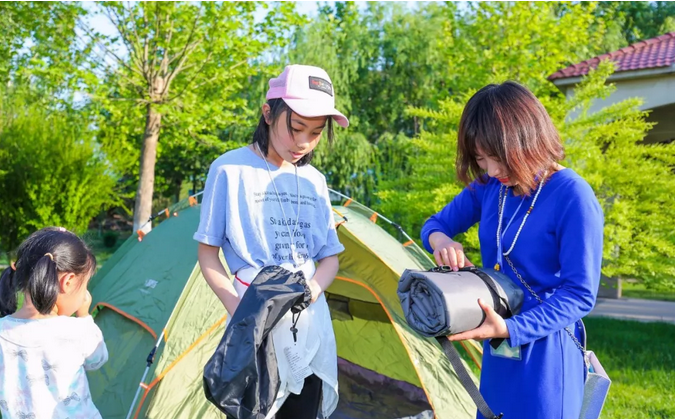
(44, 352)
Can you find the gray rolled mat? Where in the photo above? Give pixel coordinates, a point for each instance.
(441, 302)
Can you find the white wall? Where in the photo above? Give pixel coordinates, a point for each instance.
(658, 94)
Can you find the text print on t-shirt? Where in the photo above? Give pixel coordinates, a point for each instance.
(282, 251)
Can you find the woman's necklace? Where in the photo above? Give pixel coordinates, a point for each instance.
(503, 193)
(291, 235)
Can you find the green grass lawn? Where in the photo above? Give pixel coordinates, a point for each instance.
(637, 290)
(640, 360)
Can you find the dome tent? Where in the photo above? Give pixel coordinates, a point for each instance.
(151, 294)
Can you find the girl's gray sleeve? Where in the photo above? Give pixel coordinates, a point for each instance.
(212, 224)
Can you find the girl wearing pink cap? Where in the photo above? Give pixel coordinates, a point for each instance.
(263, 205)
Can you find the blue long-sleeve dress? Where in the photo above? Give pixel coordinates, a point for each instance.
(559, 253)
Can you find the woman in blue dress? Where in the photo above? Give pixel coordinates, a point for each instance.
(538, 220)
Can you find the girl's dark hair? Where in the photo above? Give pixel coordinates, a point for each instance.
(507, 122)
(277, 108)
(36, 273)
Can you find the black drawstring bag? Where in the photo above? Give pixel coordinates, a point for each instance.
(242, 377)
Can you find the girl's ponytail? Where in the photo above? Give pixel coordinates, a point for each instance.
(43, 284)
(7, 292)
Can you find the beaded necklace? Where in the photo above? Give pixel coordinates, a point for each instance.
(503, 193)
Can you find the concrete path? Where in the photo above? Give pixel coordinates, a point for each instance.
(635, 309)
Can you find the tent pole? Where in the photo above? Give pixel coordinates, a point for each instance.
(149, 362)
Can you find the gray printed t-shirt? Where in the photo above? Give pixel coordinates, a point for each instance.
(241, 213)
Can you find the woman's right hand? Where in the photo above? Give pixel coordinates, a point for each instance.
(448, 252)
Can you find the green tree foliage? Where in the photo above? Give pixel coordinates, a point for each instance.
(39, 46)
(633, 181)
(51, 172)
(183, 66)
(381, 59)
(633, 21)
(487, 42)
(431, 181)
(186, 161)
(521, 41)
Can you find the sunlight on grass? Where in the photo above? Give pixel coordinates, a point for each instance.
(640, 360)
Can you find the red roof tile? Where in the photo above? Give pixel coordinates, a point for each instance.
(652, 53)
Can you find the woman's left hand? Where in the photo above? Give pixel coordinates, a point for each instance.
(494, 326)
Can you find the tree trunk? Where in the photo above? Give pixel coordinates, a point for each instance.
(146, 181)
(194, 183)
(176, 191)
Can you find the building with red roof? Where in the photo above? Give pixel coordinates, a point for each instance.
(645, 69)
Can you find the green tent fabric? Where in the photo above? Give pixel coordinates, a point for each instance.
(152, 291)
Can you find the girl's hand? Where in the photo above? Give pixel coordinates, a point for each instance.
(324, 276)
(448, 252)
(83, 311)
(315, 289)
(494, 326)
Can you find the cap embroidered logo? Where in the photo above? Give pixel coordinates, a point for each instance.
(317, 83)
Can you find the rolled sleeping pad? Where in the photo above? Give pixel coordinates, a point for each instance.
(441, 302)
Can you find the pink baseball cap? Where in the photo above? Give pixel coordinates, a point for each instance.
(308, 91)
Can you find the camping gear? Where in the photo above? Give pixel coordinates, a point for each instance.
(441, 302)
(152, 291)
(597, 382)
(244, 383)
